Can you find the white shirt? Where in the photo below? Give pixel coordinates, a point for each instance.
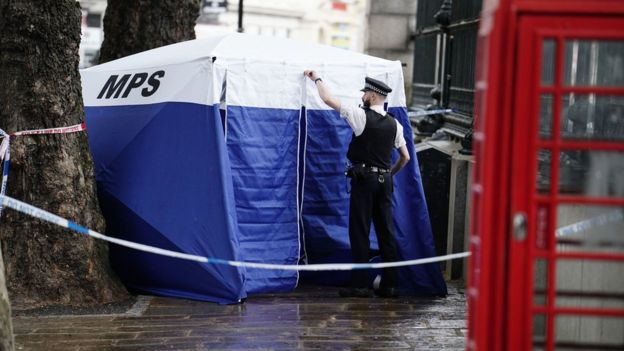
(356, 117)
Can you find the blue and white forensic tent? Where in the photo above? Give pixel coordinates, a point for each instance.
(221, 148)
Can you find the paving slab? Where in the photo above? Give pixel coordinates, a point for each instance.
(309, 318)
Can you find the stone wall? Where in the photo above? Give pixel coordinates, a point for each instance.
(389, 33)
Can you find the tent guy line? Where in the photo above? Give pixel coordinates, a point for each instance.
(52, 218)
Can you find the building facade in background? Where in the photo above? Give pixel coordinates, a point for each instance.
(92, 33)
(339, 23)
(389, 33)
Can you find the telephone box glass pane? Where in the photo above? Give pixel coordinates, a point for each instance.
(540, 281)
(592, 117)
(591, 173)
(589, 333)
(589, 284)
(590, 228)
(548, 62)
(543, 171)
(539, 332)
(546, 113)
(594, 63)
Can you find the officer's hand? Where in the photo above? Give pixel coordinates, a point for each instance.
(310, 74)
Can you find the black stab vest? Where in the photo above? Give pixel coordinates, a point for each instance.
(374, 146)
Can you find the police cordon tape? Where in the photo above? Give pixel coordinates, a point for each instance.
(52, 218)
(5, 157)
(603, 219)
(5, 147)
(430, 112)
(61, 130)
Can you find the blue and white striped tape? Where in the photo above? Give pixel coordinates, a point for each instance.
(5, 175)
(5, 147)
(429, 112)
(52, 218)
(5, 158)
(605, 218)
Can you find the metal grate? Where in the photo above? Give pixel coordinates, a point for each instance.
(427, 57)
(466, 10)
(425, 11)
(428, 53)
(463, 67)
(425, 47)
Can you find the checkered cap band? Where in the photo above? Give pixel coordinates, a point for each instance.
(368, 86)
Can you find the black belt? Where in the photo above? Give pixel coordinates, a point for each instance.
(371, 169)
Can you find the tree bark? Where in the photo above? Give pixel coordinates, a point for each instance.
(47, 264)
(135, 26)
(6, 327)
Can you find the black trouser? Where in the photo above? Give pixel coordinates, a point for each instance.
(371, 198)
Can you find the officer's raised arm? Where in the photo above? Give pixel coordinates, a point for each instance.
(323, 90)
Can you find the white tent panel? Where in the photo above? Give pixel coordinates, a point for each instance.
(267, 72)
(188, 82)
(346, 81)
(263, 84)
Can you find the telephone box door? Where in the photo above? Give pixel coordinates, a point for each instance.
(565, 278)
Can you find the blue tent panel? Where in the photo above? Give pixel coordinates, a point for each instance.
(147, 273)
(263, 151)
(326, 207)
(171, 190)
(411, 221)
(326, 198)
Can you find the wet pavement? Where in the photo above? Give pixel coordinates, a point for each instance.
(310, 318)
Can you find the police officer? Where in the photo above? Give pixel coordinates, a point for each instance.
(375, 133)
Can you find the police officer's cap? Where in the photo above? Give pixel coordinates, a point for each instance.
(371, 84)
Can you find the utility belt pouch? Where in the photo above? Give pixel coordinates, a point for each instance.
(355, 172)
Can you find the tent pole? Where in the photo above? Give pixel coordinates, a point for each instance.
(240, 16)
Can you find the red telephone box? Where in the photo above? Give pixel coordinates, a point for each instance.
(547, 230)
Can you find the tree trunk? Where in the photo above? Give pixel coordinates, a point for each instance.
(6, 328)
(48, 264)
(135, 26)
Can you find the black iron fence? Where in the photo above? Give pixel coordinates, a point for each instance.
(435, 43)
(445, 47)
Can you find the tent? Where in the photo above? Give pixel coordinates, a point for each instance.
(220, 147)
